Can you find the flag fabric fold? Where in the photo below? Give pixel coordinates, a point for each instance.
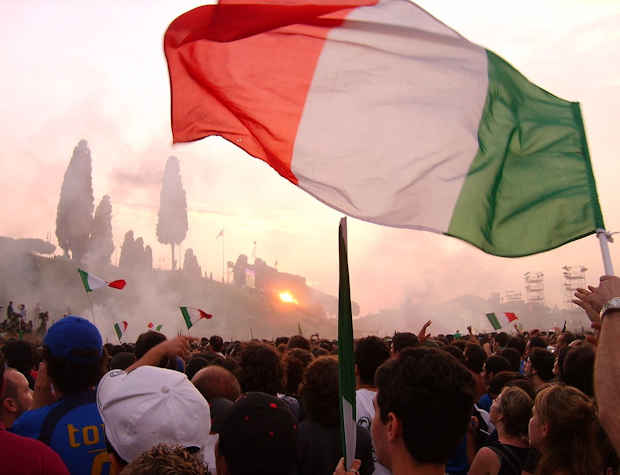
(192, 315)
(346, 364)
(92, 282)
(381, 111)
(494, 321)
(120, 328)
(506, 319)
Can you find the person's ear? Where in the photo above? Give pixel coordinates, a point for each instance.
(394, 427)
(9, 405)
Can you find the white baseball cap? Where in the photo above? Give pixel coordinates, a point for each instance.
(149, 406)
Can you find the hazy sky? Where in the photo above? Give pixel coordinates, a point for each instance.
(96, 70)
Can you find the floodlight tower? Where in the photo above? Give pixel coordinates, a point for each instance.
(574, 278)
(512, 296)
(535, 287)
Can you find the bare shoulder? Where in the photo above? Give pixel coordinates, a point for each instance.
(486, 462)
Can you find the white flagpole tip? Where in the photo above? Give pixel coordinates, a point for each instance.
(605, 238)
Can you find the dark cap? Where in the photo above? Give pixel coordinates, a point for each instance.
(219, 410)
(258, 435)
(71, 333)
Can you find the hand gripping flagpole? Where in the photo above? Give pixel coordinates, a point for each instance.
(604, 238)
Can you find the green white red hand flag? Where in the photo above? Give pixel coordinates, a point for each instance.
(192, 315)
(92, 282)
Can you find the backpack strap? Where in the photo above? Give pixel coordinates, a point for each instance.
(60, 411)
(507, 455)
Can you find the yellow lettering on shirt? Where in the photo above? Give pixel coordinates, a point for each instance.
(98, 463)
(72, 431)
(90, 434)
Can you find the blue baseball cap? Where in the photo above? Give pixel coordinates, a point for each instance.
(70, 333)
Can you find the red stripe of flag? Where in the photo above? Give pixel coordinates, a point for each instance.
(117, 284)
(205, 314)
(511, 316)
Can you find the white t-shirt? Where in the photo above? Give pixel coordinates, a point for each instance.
(364, 408)
(365, 413)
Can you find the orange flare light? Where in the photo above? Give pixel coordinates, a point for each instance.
(287, 297)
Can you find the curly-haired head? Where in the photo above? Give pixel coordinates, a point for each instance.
(578, 368)
(426, 388)
(166, 460)
(403, 340)
(261, 369)
(298, 341)
(370, 353)
(542, 362)
(146, 341)
(513, 356)
(319, 391)
(295, 362)
(475, 357)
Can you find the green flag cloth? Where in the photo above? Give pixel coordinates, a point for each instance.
(494, 321)
(346, 371)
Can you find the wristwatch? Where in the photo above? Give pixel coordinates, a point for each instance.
(613, 304)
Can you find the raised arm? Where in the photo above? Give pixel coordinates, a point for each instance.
(179, 346)
(607, 364)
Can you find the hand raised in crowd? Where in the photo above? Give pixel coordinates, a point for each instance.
(591, 300)
(179, 346)
(422, 336)
(355, 466)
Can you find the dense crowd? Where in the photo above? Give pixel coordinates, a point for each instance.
(532, 402)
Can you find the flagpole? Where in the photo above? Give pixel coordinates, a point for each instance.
(92, 309)
(604, 238)
(223, 279)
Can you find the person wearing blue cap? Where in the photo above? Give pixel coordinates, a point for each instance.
(66, 417)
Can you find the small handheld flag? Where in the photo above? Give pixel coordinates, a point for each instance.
(494, 321)
(346, 370)
(192, 315)
(151, 326)
(120, 328)
(92, 282)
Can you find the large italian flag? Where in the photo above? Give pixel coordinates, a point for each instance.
(383, 112)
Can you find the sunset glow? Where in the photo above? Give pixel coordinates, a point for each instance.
(287, 297)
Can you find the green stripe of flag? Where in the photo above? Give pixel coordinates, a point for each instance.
(118, 331)
(84, 277)
(346, 371)
(494, 321)
(186, 317)
(530, 187)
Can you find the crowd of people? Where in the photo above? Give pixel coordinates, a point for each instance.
(527, 403)
(18, 324)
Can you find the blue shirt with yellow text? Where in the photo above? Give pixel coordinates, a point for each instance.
(78, 437)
